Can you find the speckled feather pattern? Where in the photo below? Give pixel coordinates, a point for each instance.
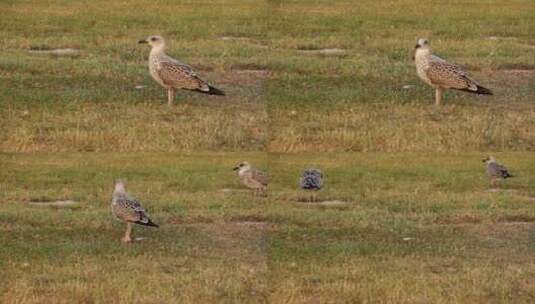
(312, 179)
(254, 179)
(129, 209)
(437, 72)
(172, 73)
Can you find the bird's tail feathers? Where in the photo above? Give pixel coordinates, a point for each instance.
(480, 90)
(215, 91)
(149, 223)
(211, 91)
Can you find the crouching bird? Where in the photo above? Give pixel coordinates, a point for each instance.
(311, 180)
(129, 210)
(173, 74)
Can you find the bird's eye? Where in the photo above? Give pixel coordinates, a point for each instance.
(153, 39)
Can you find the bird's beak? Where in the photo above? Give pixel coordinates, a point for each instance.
(416, 46)
(143, 41)
(485, 160)
(235, 168)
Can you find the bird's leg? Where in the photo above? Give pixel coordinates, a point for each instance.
(127, 238)
(170, 96)
(438, 96)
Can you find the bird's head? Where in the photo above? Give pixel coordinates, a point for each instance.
(119, 186)
(154, 41)
(422, 43)
(488, 159)
(242, 166)
(422, 47)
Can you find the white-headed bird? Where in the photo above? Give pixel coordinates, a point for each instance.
(173, 74)
(129, 210)
(253, 179)
(441, 74)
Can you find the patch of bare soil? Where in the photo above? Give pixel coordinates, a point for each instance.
(245, 77)
(55, 204)
(235, 38)
(64, 52)
(522, 218)
(251, 221)
(459, 219)
(519, 77)
(324, 52)
(326, 203)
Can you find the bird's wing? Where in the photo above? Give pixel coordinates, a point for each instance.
(448, 75)
(260, 177)
(495, 169)
(180, 75)
(503, 170)
(130, 209)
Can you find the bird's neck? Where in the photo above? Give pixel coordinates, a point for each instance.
(157, 50)
(243, 170)
(422, 53)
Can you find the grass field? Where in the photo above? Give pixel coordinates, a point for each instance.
(281, 96)
(406, 215)
(357, 102)
(88, 101)
(411, 229)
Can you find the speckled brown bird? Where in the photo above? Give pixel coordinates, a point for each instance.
(173, 74)
(441, 74)
(253, 179)
(129, 210)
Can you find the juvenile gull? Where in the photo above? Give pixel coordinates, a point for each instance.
(129, 210)
(441, 74)
(496, 171)
(173, 74)
(252, 178)
(311, 180)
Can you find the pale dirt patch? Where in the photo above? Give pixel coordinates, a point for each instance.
(66, 51)
(245, 77)
(519, 77)
(325, 52)
(231, 190)
(459, 219)
(57, 204)
(255, 225)
(517, 219)
(328, 203)
(234, 38)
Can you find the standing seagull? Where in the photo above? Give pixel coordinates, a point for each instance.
(496, 171)
(173, 74)
(252, 178)
(129, 210)
(311, 180)
(441, 74)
